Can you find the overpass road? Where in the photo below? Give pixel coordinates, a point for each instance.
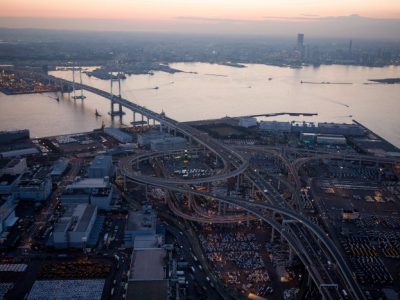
(234, 165)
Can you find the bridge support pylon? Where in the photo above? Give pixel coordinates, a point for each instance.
(133, 118)
(81, 96)
(113, 97)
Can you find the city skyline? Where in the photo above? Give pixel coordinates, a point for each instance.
(315, 18)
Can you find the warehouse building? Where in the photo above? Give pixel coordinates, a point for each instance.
(145, 139)
(15, 166)
(331, 140)
(275, 126)
(308, 127)
(7, 213)
(20, 152)
(35, 185)
(147, 278)
(100, 167)
(119, 135)
(8, 183)
(140, 229)
(9, 137)
(247, 122)
(340, 129)
(95, 191)
(74, 227)
(308, 138)
(59, 168)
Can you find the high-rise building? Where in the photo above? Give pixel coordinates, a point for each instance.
(300, 41)
(300, 45)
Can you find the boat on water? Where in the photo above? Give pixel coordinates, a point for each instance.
(156, 88)
(97, 114)
(55, 98)
(270, 78)
(324, 82)
(81, 97)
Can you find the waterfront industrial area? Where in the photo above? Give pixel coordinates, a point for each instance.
(231, 208)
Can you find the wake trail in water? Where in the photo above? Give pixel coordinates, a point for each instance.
(336, 102)
(343, 117)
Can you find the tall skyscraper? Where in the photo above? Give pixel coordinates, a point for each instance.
(300, 45)
(300, 41)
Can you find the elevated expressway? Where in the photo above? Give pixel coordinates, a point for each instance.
(306, 245)
(234, 165)
(302, 235)
(265, 212)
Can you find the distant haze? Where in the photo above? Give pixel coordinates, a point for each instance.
(319, 18)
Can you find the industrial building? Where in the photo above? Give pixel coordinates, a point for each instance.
(95, 191)
(15, 166)
(308, 138)
(59, 168)
(35, 185)
(375, 146)
(19, 152)
(7, 212)
(100, 167)
(322, 139)
(8, 183)
(307, 127)
(140, 230)
(168, 144)
(147, 278)
(119, 135)
(145, 139)
(340, 129)
(312, 127)
(9, 137)
(247, 122)
(275, 126)
(331, 140)
(74, 227)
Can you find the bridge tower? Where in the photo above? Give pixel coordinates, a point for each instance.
(113, 97)
(73, 82)
(81, 96)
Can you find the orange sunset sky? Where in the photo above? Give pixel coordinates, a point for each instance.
(232, 16)
(168, 9)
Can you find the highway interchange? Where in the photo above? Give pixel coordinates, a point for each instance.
(306, 238)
